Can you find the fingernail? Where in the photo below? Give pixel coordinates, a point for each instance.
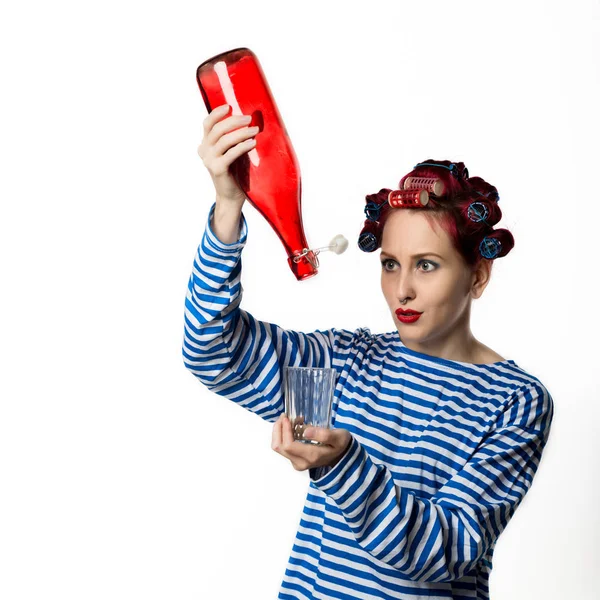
(308, 432)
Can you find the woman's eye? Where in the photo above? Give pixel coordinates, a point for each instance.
(431, 265)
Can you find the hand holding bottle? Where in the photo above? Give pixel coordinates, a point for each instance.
(225, 140)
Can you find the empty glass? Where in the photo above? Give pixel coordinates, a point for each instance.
(308, 398)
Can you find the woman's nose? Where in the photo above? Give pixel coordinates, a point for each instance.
(405, 287)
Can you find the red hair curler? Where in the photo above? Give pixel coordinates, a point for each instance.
(416, 198)
(269, 173)
(431, 184)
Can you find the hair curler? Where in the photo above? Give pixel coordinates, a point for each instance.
(431, 184)
(370, 236)
(269, 173)
(416, 198)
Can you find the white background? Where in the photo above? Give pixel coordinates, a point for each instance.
(121, 476)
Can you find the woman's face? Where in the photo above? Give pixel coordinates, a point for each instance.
(420, 263)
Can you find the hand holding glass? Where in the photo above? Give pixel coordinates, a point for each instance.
(308, 398)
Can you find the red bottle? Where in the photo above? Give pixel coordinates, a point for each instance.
(269, 174)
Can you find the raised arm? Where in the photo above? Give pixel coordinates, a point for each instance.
(442, 538)
(232, 353)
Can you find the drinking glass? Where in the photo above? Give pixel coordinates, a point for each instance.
(308, 398)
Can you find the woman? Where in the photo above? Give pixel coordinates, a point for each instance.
(435, 437)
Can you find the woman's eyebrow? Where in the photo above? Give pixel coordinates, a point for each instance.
(414, 255)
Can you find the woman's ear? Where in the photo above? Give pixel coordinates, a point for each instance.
(481, 277)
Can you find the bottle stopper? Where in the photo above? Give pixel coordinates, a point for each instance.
(338, 245)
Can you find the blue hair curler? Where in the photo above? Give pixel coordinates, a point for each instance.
(452, 168)
(490, 247)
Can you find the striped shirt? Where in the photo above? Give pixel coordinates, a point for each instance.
(442, 452)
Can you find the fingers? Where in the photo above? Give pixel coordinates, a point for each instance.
(282, 437)
(225, 137)
(217, 114)
(230, 141)
(276, 437)
(298, 427)
(327, 436)
(217, 123)
(288, 434)
(303, 456)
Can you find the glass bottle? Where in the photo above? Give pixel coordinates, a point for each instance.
(269, 173)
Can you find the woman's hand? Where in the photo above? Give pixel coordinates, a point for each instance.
(226, 139)
(306, 456)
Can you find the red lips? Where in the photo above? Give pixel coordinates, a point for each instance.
(407, 316)
(407, 312)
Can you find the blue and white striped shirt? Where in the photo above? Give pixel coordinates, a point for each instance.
(442, 452)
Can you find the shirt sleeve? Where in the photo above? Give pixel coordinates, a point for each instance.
(230, 351)
(443, 537)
